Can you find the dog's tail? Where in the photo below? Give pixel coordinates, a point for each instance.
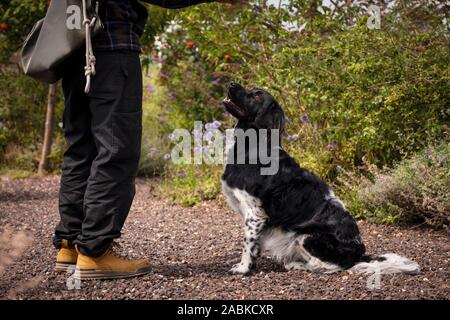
(388, 263)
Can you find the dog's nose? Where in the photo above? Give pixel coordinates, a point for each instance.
(233, 83)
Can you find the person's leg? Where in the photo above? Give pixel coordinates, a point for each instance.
(116, 108)
(80, 152)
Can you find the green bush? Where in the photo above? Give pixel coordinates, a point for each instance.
(23, 100)
(155, 143)
(18, 18)
(189, 185)
(414, 191)
(23, 104)
(350, 93)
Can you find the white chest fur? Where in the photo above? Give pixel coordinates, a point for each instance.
(242, 202)
(254, 218)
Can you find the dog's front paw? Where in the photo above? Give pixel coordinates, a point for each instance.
(240, 268)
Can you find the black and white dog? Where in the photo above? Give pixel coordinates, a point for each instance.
(293, 214)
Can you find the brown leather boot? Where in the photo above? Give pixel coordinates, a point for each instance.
(66, 258)
(111, 265)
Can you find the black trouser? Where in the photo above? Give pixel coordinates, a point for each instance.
(103, 132)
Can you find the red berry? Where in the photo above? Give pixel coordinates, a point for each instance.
(3, 26)
(155, 56)
(190, 43)
(227, 56)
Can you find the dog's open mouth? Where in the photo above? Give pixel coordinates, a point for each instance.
(233, 108)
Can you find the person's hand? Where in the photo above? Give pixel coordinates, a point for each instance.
(233, 2)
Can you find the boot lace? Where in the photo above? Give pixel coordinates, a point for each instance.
(115, 250)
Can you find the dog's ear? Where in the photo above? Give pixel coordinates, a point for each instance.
(270, 117)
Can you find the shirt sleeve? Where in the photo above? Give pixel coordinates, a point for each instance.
(176, 4)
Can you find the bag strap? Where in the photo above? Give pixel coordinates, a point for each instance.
(89, 69)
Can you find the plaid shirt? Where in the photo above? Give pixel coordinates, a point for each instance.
(124, 22)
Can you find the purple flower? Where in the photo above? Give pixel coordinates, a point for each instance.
(149, 88)
(198, 149)
(166, 156)
(329, 147)
(292, 137)
(208, 136)
(213, 125)
(448, 232)
(304, 118)
(334, 143)
(181, 174)
(216, 124)
(225, 114)
(429, 153)
(164, 75)
(197, 133)
(215, 81)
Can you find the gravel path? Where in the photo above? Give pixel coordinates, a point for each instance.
(192, 249)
